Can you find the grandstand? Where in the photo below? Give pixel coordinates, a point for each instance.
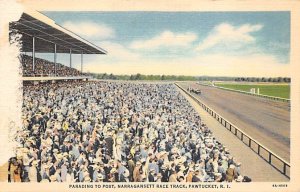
(40, 34)
(46, 68)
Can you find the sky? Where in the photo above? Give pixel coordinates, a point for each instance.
(183, 43)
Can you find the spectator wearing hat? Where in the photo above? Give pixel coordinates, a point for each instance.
(16, 169)
(159, 176)
(124, 176)
(70, 176)
(230, 173)
(136, 172)
(196, 176)
(165, 172)
(33, 172)
(64, 171)
(173, 177)
(100, 178)
(109, 143)
(151, 175)
(190, 175)
(218, 177)
(237, 169)
(13, 169)
(131, 166)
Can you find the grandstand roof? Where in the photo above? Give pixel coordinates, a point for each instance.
(33, 23)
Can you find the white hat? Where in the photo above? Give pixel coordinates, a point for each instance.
(53, 178)
(113, 170)
(87, 179)
(138, 163)
(25, 150)
(191, 169)
(143, 160)
(100, 177)
(59, 156)
(126, 173)
(182, 168)
(44, 181)
(85, 174)
(123, 163)
(239, 179)
(95, 166)
(97, 160)
(34, 162)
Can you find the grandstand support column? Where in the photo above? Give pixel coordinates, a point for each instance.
(55, 60)
(81, 62)
(71, 58)
(33, 53)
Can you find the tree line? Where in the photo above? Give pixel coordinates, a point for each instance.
(139, 76)
(264, 79)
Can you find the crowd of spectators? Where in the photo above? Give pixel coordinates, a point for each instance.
(45, 68)
(116, 132)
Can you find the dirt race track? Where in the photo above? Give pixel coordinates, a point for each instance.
(265, 120)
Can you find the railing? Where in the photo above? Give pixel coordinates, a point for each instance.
(51, 75)
(269, 156)
(54, 78)
(248, 93)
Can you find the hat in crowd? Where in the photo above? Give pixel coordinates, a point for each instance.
(217, 174)
(123, 163)
(46, 166)
(53, 178)
(239, 179)
(126, 173)
(100, 177)
(97, 160)
(85, 174)
(143, 160)
(87, 179)
(113, 170)
(95, 166)
(182, 168)
(143, 177)
(35, 162)
(111, 161)
(44, 181)
(59, 156)
(138, 163)
(25, 150)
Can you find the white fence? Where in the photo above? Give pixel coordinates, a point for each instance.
(248, 93)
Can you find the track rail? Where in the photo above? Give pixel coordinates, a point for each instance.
(248, 93)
